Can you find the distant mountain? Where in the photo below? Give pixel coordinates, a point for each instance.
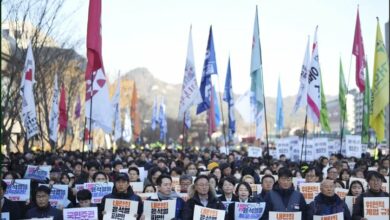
(148, 87)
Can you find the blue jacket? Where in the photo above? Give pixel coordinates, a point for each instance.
(49, 211)
(325, 205)
(179, 205)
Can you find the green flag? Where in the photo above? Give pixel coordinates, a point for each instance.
(324, 118)
(342, 94)
(366, 110)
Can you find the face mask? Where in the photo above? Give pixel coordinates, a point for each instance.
(237, 175)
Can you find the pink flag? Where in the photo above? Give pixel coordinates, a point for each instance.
(63, 116)
(358, 51)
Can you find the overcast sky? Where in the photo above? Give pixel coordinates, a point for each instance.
(154, 34)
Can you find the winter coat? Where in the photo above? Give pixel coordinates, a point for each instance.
(325, 205)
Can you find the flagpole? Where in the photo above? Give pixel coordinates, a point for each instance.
(304, 137)
(40, 127)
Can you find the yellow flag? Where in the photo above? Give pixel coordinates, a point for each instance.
(380, 86)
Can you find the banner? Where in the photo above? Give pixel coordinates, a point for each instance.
(255, 152)
(309, 190)
(282, 147)
(337, 216)
(376, 208)
(58, 195)
(353, 146)
(320, 147)
(90, 213)
(120, 209)
(99, 190)
(41, 173)
(18, 189)
(163, 210)
(138, 187)
(248, 210)
(301, 100)
(342, 193)
(207, 213)
(350, 201)
(285, 215)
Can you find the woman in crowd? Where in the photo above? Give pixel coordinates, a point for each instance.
(355, 188)
(227, 185)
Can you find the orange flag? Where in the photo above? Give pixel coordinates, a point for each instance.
(134, 113)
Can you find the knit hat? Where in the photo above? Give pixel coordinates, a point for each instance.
(212, 165)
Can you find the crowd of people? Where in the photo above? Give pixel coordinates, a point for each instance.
(208, 178)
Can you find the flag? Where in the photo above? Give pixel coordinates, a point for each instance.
(342, 93)
(212, 126)
(380, 87)
(97, 96)
(279, 109)
(77, 110)
(366, 110)
(324, 118)
(190, 94)
(209, 68)
(217, 112)
(358, 51)
(257, 89)
(63, 119)
(134, 113)
(54, 112)
(228, 97)
(117, 112)
(302, 92)
(29, 115)
(154, 114)
(127, 130)
(314, 86)
(245, 108)
(162, 120)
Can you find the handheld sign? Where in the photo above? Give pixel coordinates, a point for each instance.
(137, 187)
(320, 147)
(207, 213)
(350, 201)
(144, 196)
(120, 209)
(99, 190)
(58, 194)
(5, 216)
(163, 210)
(342, 193)
(285, 215)
(309, 190)
(40, 173)
(282, 147)
(297, 182)
(353, 146)
(18, 189)
(248, 210)
(376, 208)
(254, 152)
(90, 213)
(337, 216)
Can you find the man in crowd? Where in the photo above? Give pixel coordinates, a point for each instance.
(313, 175)
(185, 182)
(43, 208)
(7, 205)
(84, 197)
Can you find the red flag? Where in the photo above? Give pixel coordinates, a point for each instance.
(358, 51)
(63, 118)
(211, 114)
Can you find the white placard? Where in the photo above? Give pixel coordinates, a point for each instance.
(353, 146)
(295, 148)
(297, 182)
(250, 211)
(5, 216)
(308, 151)
(350, 201)
(282, 147)
(320, 147)
(207, 213)
(337, 216)
(137, 187)
(164, 210)
(145, 196)
(99, 190)
(285, 215)
(224, 150)
(376, 208)
(18, 189)
(58, 194)
(309, 191)
(41, 173)
(120, 209)
(254, 152)
(342, 193)
(89, 213)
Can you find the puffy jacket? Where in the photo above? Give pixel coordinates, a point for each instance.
(189, 207)
(325, 205)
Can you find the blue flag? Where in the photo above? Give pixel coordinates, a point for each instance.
(228, 97)
(279, 109)
(217, 112)
(209, 68)
(162, 120)
(154, 114)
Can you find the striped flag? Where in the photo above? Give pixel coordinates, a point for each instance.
(314, 86)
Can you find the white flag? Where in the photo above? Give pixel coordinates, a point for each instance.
(301, 100)
(190, 94)
(54, 112)
(314, 86)
(243, 106)
(117, 113)
(127, 131)
(29, 115)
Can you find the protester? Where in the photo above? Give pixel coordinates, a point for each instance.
(327, 202)
(7, 205)
(100, 177)
(164, 183)
(43, 208)
(267, 182)
(203, 195)
(133, 173)
(84, 197)
(313, 175)
(227, 185)
(149, 189)
(355, 188)
(374, 180)
(185, 182)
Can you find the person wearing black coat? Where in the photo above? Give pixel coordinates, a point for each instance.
(43, 208)
(201, 194)
(7, 205)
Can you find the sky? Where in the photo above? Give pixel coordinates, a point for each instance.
(154, 34)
